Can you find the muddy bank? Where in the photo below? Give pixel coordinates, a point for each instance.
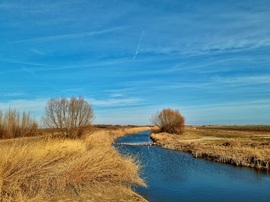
(223, 150)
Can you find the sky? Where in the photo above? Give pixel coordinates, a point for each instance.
(129, 59)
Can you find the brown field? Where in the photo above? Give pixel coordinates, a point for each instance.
(238, 145)
(54, 169)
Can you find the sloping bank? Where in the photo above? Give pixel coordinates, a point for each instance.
(87, 169)
(246, 152)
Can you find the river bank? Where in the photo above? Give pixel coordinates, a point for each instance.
(241, 146)
(53, 169)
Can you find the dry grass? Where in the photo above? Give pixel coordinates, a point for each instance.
(240, 146)
(88, 169)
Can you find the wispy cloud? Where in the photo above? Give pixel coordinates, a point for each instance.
(234, 104)
(38, 52)
(67, 36)
(13, 94)
(37, 77)
(116, 95)
(6, 5)
(35, 107)
(242, 112)
(29, 71)
(229, 28)
(192, 53)
(112, 102)
(243, 80)
(222, 84)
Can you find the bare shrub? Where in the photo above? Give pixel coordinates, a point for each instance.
(14, 124)
(68, 116)
(169, 120)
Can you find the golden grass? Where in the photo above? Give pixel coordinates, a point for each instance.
(245, 147)
(68, 170)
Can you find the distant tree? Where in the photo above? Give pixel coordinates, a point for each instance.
(14, 124)
(68, 116)
(169, 120)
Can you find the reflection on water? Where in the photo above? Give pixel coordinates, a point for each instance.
(176, 176)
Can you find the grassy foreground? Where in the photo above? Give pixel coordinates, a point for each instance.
(88, 169)
(238, 145)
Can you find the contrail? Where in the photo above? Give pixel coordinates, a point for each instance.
(31, 72)
(138, 47)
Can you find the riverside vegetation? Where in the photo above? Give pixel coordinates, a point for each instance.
(238, 145)
(46, 168)
(70, 160)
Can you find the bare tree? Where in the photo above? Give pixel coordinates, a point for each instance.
(169, 120)
(69, 116)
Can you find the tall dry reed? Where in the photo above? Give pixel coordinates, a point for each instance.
(14, 124)
(45, 169)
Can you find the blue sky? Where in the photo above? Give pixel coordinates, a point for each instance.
(209, 59)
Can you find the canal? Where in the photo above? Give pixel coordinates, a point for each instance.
(177, 176)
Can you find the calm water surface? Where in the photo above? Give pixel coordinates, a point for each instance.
(176, 176)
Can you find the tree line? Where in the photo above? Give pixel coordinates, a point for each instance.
(70, 116)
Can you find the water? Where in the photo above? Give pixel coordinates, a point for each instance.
(176, 176)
